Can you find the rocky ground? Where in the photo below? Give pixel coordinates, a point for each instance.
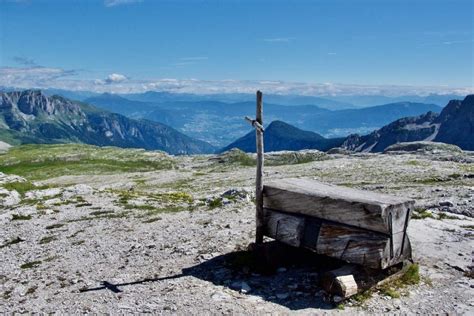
(172, 239)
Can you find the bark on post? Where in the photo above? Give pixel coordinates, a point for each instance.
(259, 178)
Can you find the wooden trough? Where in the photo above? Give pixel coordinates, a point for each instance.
(356, 226)
(363, 228)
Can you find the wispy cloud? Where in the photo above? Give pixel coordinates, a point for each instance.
(185, 61)
(194, 58)
(48, 77)
(279, 39)
(332, 54)
(114, 3)
(36, 76)
(458, 42)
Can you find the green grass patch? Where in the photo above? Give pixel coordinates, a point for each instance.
(51, 258)
(108, 215)
(76, 233)
(19, 217)
(421, 214)
(151, 220)
(83, 204)
(237, 156)
(411, 276)
(31, 290)
(442, 216)
(23, 186)
(414, 163)
(54, 226)
(12, 242)
(49, 161)
(46, 240)
(182, 197)
(7, 294)
(41, 206)
(215, 203)
(391, 292)
(145, 207)
(29, 265)
(362, 296)
(101, 213)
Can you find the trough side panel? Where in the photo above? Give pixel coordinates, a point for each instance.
(352, 245)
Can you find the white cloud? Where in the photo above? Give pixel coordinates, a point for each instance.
(115, 78)
(26, 77)
(48, 77)
(114, 3)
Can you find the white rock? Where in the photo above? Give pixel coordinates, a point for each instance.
(79, 189)
(10, 198)
(39, 194)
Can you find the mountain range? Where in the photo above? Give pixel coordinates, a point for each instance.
(220, 123)
(32, 117)
(454, 125)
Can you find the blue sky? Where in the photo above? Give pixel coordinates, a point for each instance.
(125, 43)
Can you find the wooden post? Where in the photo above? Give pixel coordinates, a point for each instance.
(259, 179)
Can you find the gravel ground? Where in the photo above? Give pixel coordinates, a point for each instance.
(171, 241)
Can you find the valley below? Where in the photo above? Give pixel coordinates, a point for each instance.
(90, 229)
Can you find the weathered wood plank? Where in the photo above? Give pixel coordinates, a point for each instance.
(341, 282)
(348, 243)
(284, 228)
(373, 211)
(259, 178)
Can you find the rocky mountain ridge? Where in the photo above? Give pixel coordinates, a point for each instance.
(32, 117)
(454, 125)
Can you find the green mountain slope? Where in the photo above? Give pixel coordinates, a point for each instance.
(32, 117)
(282, 136)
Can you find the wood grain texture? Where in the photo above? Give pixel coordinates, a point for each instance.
(284, 228)
(341, 281)
(259, 176)
(352, 244)
(373, 211)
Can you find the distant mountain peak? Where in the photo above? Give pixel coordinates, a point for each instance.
(280, 136)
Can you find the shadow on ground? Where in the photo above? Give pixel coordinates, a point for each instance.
(274, 272)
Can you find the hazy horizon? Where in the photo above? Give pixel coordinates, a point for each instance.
(317, 48)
